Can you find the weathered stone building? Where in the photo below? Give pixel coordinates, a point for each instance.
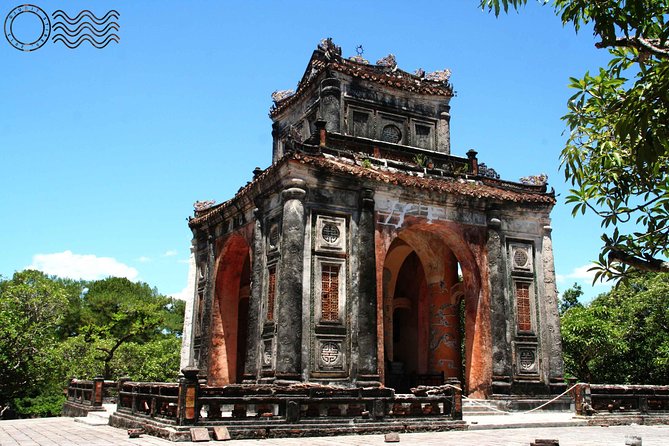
(368, 255)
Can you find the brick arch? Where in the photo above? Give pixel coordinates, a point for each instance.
(434, 243)
(230, 311)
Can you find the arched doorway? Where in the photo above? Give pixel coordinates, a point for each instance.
(230, 312)
(428, 271)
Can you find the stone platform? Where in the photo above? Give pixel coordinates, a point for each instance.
(528, 427)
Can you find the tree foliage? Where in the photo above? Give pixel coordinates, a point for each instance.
(31, 309)
(617, 154)
(54, 329)
(622, 336)
(570, 297)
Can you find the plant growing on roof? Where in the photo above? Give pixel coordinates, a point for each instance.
(420, 159)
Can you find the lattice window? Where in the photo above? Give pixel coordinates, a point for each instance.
(330, 292)
(523, 310)
(271, 293)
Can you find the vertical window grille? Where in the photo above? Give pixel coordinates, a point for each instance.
(330, 292)
(523, 306)
(271, 293)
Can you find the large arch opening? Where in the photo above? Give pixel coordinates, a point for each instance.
(230, 312)
(435, 310)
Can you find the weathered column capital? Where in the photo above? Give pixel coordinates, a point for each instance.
(293, 193)
(295, 190)
(494, 223)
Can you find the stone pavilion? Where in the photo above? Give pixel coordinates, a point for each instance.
(369, 255)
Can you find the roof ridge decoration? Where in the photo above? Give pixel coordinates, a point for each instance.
(535, 180)
(203, 205)
(328, 56)
(389, 61)
(280, 95)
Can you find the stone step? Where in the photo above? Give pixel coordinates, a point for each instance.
(97, 418)
(93, 420)
(481, 407)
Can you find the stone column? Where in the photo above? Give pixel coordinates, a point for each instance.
(552, 319)
(277, 151)
(444, 131)
(368, 374)
(207, 312)
(253, 336)
(500, 311)
(289, 296)
(189, 315)
(330, 104)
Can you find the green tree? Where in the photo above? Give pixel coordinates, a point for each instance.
(617, 154)
(31, 308)
(117, 311)
(570, 297)
(622, 336)
(53, 329)
(590, 342)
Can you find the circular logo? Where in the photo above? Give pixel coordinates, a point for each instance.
(329, 353)
(520, 258)
(330, 233)
(391, 133)
(42, 37)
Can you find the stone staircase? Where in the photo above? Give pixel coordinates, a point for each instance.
(98, 418)
(475, 407)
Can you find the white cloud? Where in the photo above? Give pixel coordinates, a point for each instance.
(185, 294)
(170, 253)
(66, 264)
(580, 273)
(144, 259)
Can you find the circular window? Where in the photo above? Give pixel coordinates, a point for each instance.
(520, 258)
(330, 233)
(391, 133)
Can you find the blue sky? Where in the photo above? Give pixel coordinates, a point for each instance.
(104, 151)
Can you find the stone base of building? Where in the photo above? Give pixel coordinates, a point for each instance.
(525, 403)
(626, 419)
(502, 386)
(168, 410)
(259, 428)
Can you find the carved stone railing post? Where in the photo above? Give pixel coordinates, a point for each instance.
(96, 397)
(289, 299)
(123, 401)
(368, 374)
(188, 393)
(473, 162)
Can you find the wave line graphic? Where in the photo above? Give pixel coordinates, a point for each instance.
(86, 38)
(85, 25)
(85, 13)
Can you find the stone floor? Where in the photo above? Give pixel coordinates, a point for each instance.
(487, 431)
